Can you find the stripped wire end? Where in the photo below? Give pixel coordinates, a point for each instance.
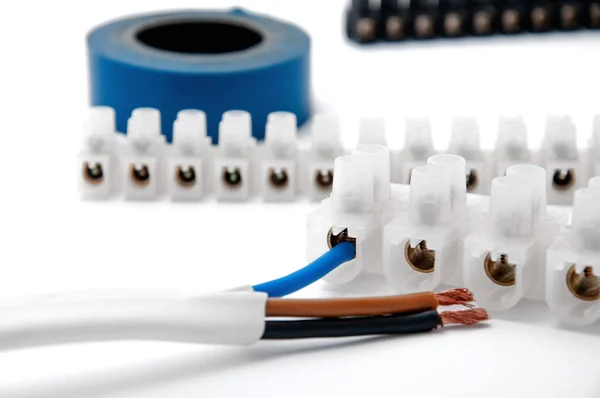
(466, 317)
(462, 297)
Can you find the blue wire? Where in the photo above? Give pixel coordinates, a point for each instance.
(342, 252)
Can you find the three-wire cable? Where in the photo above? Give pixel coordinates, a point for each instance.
(339, 254)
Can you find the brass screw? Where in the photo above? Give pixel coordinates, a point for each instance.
(394, 28)
(563, 180)
(278, 178)
(568, 16)
(482, 22)
(324, 179)
(584, 286)
(472, 180)
(424, 26)
(501, 272)
(539, 18)
(420, 258)
(510, 21)
(93, 173)
(232, 177)
(140, 175)
(453, 24)
(185, 176)
(365, 29)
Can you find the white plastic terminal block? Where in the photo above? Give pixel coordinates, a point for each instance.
(371, 130)
(326, 145)
(418, 146)
(561, 159)
(360, 203)
(511, 144)
(464, 141)
(278, 173)
(97, 162)
(190, 157)
(594, 182)
(143, 155)
(232, 168)
(502, 256)
(595, 145)
(573, 264)
(422, 247)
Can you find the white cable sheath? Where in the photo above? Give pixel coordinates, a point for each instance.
(233, 318)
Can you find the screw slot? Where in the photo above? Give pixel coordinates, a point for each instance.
(140, 175)
(93, 173)
(563, 180)
(394, 28)
(585, 286)
(232, 177)
(511, 20)
(324, 179)
(420, 258)
(278, 178)
(539, 18)
(185, 176)
(472, 180)
(334, 239)
(501, 272)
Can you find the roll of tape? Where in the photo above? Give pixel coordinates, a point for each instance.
(209, 60)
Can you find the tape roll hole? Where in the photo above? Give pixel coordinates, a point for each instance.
(200, 37)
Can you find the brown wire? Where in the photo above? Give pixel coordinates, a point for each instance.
(363, 306)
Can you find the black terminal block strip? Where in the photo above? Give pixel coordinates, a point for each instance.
(369, 21)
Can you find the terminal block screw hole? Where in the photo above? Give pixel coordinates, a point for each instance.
(472, 180)
(420, 258)
(186, 176)
(563, 180)
(140, 175)
(324, 179)
(232, 177)
(334, 239)
(584, 286)
(93, 173)
(278, 178)
(501, 272)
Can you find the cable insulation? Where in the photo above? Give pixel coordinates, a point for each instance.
(363, 306)
(339, 254)
(345, 327)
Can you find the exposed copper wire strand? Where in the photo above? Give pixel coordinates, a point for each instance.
(365, 306)
(466, 317)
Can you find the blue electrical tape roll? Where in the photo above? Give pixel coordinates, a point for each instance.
(208, 60)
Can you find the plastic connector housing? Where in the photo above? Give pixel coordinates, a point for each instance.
(574, 257)
(278, 178)
(418, 146)
(511, 144)
(190, 157)
(97, 162)
(464, 141)
(501, 254)
(421, 248)
(232, 167)
(325, 146)
(561, 159)
(144, 154)
(359, 204)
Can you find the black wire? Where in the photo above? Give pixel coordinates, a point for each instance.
(360, 326)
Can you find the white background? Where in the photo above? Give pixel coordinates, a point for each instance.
(50, 241)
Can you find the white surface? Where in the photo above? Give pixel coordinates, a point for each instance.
(51, 241)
